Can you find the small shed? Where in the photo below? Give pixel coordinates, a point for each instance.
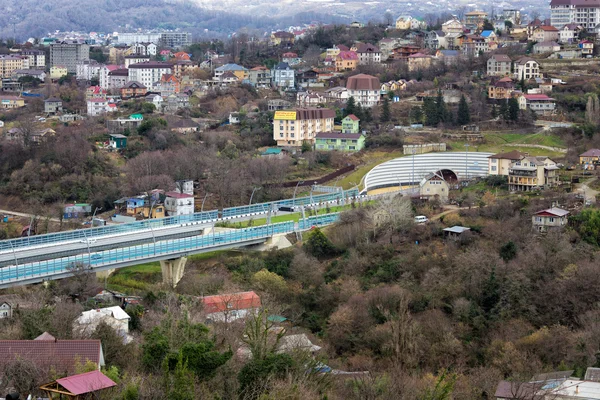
(78, 387)
(455, 232)
(117, 141)
(5, 310)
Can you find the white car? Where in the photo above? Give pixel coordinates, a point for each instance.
(88, 241)
(421, 219)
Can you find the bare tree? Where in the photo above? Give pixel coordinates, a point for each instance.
(391, 214)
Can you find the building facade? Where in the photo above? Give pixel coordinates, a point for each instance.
(69, 54)
(179, 203)
(327, 141)
(552, 218)
(147, 73)
(365, 89)
(499, 65)
(580, 12)
(292, 128)
(531, 173)
(283, 76)
(527, 68)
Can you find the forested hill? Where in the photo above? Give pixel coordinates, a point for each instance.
(36, 18)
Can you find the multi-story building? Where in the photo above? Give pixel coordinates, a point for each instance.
(580, 12)
(526, 68)
(474, 45)
(133, 89)
(240, 72)
(99, 106)
(260, 77)
(551, 218)
(117, 78)
(175, 40)
(179, 203)
(37, 58)
(144, 48)
(58, 71)
(350, 124)
(135, 59)
(283, 76)
(474, 19)
(453, 26)
(434, 186)
(346, 61)
(569, 33)
(499, 164)
(513, 15)
(591, 157)
(68, 54)
(165, 39)
(88, 70)
(327, 141)
(531, 173)
(419, 61)
(541, 104)
(11, 63)
(499, 65)
(8, 102)
(368, 54)
(587, 48)
(147, 73)
(502, 89)
(292, 128)
(545, 33)
(365, 89)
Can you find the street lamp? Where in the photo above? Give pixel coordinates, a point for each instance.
(296, 188)
(94, 214)
(252, 195)
(203, 200)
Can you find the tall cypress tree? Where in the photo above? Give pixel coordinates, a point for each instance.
(504, 110)
(431, 111)
(463, 117)
(443, 115)
(513, 109)
(350, 107)
(385, 110)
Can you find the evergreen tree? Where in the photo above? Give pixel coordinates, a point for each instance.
(443, 114)
(494, 112)
(513, 109)
(463, 117)
(385, 110)
(416, 115)
(350, 107)
(431, 111)
(504, 110)
(491, 293)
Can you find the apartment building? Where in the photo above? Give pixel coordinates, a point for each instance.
(165, 39)
(499, 65)
(69, 54)
(527, 68)
(11, 63)
(368, 54)
(291, 128)
(502, 89)
(147, 73)
(581, 12)
(37, 58)
(531, 173)
(365, 89)
(88, 70)
(499, 164)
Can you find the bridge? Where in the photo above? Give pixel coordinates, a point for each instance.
(168, 240)
(410, 170)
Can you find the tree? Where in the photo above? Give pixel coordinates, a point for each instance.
(350, 106)
(179, 384)
(431, 111)
(508, 251)
(443, 389)
(463, 116)
(306, 146)
(318, 244)
(385, 110)
(443, 114)
(513, 109)
(491, 293)
(487, 25)
(391, 214)
(504, 110)
(508, 24)
(416, 114)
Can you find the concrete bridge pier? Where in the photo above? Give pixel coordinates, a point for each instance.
(172, 270)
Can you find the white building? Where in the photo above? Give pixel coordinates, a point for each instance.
(103, 75)
(147, 73)
(135, 59)
(88, 70)
(365, 89)
(179, 204)
(99, 106)
(283, 76)
(368, 54)
(37, 58)
(580, 12)
(185, 187)
(145, 48)
(5, 310)
(155, 99)
(527, 68)
(115, 317)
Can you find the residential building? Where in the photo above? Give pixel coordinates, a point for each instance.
(47, 353)
(117, 53)
(115, 317)
(168, 85)
(387, 45)
(283, 76)
(175, 40)
(88, 70)
(337, 94)
(95, 92)
(99, 106)
(292, 128)
(499, 65)
(419, 61)
(6, 310)
(228, 78)
(434, 187)
(368, 54)
(569, 33)
(406, 22)
(502, 89)
(489, 36)
(526, 68)
(185, 126)
(448, 57)
(10, 102)
(240, 72)
(171, 39)
(37, 58)
(53, 105)
(260, 77)
(591, 156)
(499, 164)
(179, 203)
(155, 99)
(335, 50)
(474, 19)
(103, 75)
(513, 15)
(117, 79)
(453, 26)
(531, 173)
(175, 102)
(545, 47)
(291, 58)
(185, 186)
(147, 73)
(10, 63)
(350, 124)
(587, 48)
(135, 59)
(545, 34)
(68, 54)
(57, 72)
(436, 40)
(282, 38)
(144, 48)
(540, 103)
(310, 99)
(474, 45)
(552, 218)
(183, 67)
(230, 307)
(33, 73)
(346, 61)
(133, 89)
(121, 125)
(365, 89)
(580, 12)
(340, 141)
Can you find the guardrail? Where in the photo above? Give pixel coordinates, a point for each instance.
(162, 249)
(318, 220)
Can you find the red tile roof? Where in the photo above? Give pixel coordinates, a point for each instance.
(86, 383)
(60, 355)
(353, 117)
(347, 55)
(547, 28)
(289, 55)
(537, 97)
(232, 301)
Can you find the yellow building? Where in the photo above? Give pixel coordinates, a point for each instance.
(7, 102)
(499, 164)
(531, 173)
(282, 38)
(292, 127)
(591, 157)
(475, 18)
(157, 211)
(434, 187)
(58, 72)
(11, 63)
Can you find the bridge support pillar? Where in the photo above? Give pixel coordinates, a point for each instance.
(172, 270)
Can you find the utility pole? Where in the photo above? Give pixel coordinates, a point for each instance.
(252, 195)
(296, 188)
(203, 200)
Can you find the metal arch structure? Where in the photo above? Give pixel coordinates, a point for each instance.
(406, 171)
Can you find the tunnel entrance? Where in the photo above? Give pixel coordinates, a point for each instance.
(449, 175)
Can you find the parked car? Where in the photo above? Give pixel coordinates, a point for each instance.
(421, 219)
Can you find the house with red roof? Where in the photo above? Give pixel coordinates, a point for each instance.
(95, 92)
(291, 58)
(47, 353)
(539, 103)
(545, 34)
(230, 307)
(346, 61)
(78, 387)
(179, 203)
(182, 55)
(551, 218)
(587, 48)
(350, 124)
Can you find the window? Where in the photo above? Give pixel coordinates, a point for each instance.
(493, 167)
(551, 219)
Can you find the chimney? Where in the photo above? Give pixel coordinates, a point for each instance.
(577, 389)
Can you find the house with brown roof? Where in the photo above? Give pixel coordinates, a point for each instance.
(551, 218)
(545, 34)
(591, 157)
(502, 89)
(419, 61)
(499, 164)
(230, 307)
(368, 54)
(327, 141)
(282, 38)
(293, 127)
(499, 65)
(133, 89)
(365, 89)
(48, 353)
(532, 173)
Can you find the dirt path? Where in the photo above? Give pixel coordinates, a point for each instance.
(588, 192)
(537, 146)
(24, 215)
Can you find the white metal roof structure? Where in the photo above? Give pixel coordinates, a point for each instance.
(400, 170)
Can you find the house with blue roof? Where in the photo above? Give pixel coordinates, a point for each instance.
(240, 72)
(489, 35)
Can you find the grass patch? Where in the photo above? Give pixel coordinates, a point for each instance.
(137, 277)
